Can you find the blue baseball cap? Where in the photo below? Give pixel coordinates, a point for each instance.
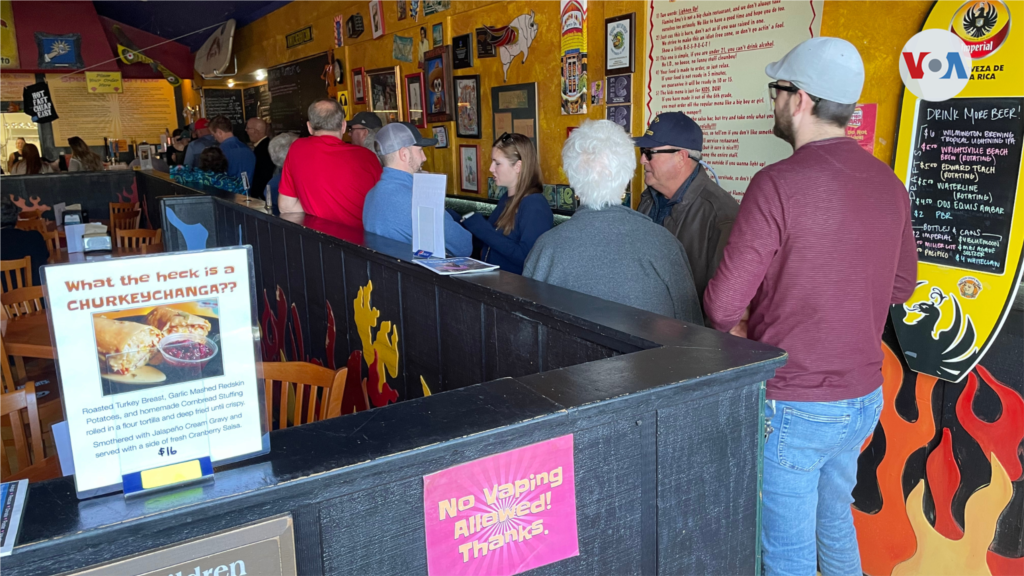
(672, 129)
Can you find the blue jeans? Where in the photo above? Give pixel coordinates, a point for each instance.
(810, 469)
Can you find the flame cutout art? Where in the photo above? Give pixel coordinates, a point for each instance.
(943, 480)
(380, 355)
(886, 538)
(36, 204)
(1002, 436)
(937, 555)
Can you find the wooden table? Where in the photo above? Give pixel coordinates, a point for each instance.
(28, 336)
(116, 252)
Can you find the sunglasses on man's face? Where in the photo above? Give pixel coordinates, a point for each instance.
(650, 152)
(774, 88)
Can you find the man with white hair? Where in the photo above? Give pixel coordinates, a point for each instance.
(595, 252)
(822, 245)
(388, 208)
(325, 176)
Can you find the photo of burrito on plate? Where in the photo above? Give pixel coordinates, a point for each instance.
(158, 345)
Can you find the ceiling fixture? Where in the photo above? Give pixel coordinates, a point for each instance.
(261, 74)
(231, 83)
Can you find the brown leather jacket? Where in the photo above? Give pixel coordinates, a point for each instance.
(701, 221)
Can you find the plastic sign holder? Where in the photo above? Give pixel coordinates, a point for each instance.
(157, 359)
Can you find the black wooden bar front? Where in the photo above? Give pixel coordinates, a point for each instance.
(665, 416)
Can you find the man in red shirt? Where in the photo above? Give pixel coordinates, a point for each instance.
(322, 175)
(821, 247)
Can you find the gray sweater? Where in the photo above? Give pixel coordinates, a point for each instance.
(620, 255)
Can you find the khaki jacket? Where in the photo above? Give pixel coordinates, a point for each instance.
(701, 221)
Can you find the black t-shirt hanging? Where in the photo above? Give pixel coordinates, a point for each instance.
(38, 103)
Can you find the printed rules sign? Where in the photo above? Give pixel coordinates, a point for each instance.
(504, 514)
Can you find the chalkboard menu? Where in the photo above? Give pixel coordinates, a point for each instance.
(228, 103)
(963, 180)
(293, 87)
(257, 102)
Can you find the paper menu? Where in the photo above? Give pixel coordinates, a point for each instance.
(428, 192)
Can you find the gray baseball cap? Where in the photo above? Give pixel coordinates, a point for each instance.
(398, 135)
(828, 68)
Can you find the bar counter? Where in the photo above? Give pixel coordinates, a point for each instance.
(666, 416)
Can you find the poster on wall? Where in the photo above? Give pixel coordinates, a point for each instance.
(514, 109)
(401, 49)
(862, 126)
(59, 50)
(157, 365)
(376, 18)
(385, 96)
(142, 111)
(503, 514)
(8, 38)
(714, 72)
(339, 31)
(573, 16)
(619, 44)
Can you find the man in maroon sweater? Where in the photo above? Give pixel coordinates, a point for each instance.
(822, 245)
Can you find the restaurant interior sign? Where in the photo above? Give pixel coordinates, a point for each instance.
(503, 514)
(8, 38)
(961, 162)
(157, 367)
(708, 58)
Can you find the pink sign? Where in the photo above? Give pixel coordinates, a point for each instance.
(862, 126)
(503, 514)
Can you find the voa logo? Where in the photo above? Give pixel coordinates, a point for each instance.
(935, 65)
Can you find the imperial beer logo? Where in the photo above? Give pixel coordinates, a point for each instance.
(935, 65)
(983, 26)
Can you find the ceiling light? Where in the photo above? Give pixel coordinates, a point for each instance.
(231, 83)
(261, 74)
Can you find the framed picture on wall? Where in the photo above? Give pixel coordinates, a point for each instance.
(384, 94)
(377, 18)
(358, 86)
(437, 72)
(618, 89)
(415, 100)
(469, 168)
(467, 113)
(441, 133)
(619, 40)
(438, 33)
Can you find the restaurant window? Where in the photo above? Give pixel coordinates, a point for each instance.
(14, 125)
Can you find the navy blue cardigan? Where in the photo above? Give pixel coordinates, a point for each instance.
(509, 252)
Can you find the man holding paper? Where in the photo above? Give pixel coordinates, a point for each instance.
(388, 208)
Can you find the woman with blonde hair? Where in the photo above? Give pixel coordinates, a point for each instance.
(522, 214)
(82, 158)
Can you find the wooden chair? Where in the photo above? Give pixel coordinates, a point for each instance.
(136, 238)
(33, 466)
(30, 214)
(37, 224)
(9, 383)
(52, 243)
(316, 383)
(16, 273)
(122, 207)
(125, 221)
(20, 301)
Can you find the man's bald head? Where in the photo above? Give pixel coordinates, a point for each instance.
(326, 116)
(256, 128)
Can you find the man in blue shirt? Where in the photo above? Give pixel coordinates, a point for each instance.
(201, 140)
(388, 208)
(241, 160)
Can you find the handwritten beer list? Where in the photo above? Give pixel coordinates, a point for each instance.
(963, 181)
(710, 64)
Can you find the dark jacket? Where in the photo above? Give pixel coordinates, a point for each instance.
(16, 244)
(596, 252)
(509, 252)
(701, 219)
(264, 168)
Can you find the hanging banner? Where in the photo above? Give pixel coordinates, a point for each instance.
(574, 56)
(103, 82)
(961, 162)
(707, 59)
(8, 38)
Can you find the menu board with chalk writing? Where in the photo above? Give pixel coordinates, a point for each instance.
(962, 180)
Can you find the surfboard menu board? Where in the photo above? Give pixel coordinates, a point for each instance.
(961, 162)
(293, 87)
(963, 179)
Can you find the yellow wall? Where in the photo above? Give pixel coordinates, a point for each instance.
(878, 30)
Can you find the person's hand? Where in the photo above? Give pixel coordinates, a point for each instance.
(741, 328)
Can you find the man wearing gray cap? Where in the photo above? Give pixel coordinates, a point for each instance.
(681, 197)
(363, 129)
(821, 247)
(388, 208)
